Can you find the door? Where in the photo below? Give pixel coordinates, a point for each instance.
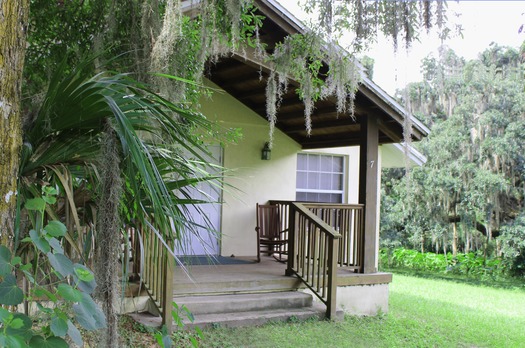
(204, 236)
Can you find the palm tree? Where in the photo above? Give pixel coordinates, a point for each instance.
(114, 149)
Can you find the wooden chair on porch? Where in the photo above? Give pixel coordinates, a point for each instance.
(271, 238)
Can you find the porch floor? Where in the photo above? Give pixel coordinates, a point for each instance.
(268, 275)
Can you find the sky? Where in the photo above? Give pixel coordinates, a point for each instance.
(483, 22)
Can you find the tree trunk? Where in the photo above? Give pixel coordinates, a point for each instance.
(13, 24)
(455, 239)
(107, 247)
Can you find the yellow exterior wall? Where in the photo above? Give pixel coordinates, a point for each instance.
(255, 180)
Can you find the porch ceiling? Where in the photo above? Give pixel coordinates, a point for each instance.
(244, 77)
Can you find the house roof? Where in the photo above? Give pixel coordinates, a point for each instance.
(244, 76)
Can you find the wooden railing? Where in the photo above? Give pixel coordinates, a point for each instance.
(312, 256)
(346, 219)
(321, 239)
(155, 267)
(312, 252)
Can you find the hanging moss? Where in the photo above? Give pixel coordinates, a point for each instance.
(108, 236)
(157, 36)
(322, 69)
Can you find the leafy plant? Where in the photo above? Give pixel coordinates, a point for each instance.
(179, 313)
(58, 288)
(469, 264)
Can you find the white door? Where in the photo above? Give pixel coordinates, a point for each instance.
(205, 235)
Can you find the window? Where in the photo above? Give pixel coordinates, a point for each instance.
(320, 178)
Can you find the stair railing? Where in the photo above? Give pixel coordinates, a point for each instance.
(154, 264)
(312, 253)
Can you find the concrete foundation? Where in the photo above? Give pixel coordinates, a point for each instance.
(362, 294)
(363, 299)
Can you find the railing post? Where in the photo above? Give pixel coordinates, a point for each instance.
(167, 289)
(291, 240)
(331, 303)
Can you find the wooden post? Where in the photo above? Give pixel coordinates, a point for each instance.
(331, 303)
(167, 293)
(368, 189)
(291, 241)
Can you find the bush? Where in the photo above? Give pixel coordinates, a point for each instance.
(470, 264)
(513, 246)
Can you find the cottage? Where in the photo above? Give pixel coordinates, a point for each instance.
(332, 248)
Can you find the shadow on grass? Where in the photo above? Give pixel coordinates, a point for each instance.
(498, 283)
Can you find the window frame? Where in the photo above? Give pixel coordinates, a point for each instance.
(343, 173)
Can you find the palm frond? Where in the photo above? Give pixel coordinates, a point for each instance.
(153, 134)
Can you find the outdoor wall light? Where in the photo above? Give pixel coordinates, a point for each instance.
(266, 153)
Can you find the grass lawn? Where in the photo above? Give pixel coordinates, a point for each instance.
(423, 313)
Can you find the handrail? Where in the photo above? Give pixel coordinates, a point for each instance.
(312, 253)
(154, 264)
(302, 207)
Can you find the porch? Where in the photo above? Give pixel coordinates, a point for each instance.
(252, 293)
(326, 258)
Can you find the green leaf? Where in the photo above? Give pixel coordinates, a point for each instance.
(199, 332)
(4, 315)
(59, 326)
(16, 260)
(88, 314)
(84, 274)
(10, 293)
(49, 199)
(35, 204)
(12, 341)
(61, 263)
(5, 261)
(69, 293)
(23, 331)
(44, 294)
(16, 323)
(49, 191)
(40, 242)
(26, 269)
(55, 244)
(43, 309)
(51, 342)
(86, 286)
(74, 334)
(56, 228)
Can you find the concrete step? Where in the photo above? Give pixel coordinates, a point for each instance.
(244, 302)
(226, 310)
(255, 318)
(217, 286)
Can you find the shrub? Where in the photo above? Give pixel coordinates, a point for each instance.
(470, 264)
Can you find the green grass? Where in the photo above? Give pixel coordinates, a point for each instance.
(423, 313)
